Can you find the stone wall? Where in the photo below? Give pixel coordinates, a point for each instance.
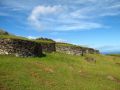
(25, 48)
(69, 50)
(90, 51)
(48, 47)
(75, 50)
(19, 47)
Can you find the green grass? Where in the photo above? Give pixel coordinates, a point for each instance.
(13, 37)
(23, 38)
(67, 45)
(70, 45)
(116, 55)
(44, 41)
(58, 71)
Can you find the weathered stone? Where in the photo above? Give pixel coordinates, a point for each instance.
(25, 48)
(75, 50)
(48, 47)
(69, 50)
(22, 48)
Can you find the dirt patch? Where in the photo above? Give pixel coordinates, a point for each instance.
(112, 78)
(3, 74)
(47, 82)
(114, 58)
(45, 68)
(117, 64)
(39, 65)
(40, 79)
(2, 87)
(49, 70)
(90, 59)
(83, 73)
(35, 75)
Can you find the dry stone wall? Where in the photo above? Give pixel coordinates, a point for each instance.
(90, 51)
(69, 50)
(19, 47)
(75, 50)
(48, 47)
(25, 48)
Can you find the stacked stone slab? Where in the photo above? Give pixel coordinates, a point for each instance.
(18, 47)
(75, 50)
(90, 51)
(69, 50)
(25, 48)
(48, 47)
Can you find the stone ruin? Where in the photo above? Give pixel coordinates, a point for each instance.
(48, 47)
(21, 48)
(75, 50)
(26, 48)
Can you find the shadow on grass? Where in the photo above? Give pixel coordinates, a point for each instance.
(42, 55)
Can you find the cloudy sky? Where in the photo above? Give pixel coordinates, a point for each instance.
(93, 23)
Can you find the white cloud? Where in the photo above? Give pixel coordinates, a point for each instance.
(81, 26)
(56, 18)
(61, 15)
(40, 11)
(73, 17)
(32, 37)
(115, 6)
(45, 9)
(60, 40)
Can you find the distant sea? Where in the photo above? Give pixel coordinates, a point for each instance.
(111, 52)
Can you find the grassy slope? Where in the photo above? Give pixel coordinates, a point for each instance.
(12, 37)
(117, 55)
(59, 72)
(23, 38)
(66, 44)
(71, 45)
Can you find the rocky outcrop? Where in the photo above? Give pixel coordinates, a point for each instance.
(69, 50)
(48, 47)
(90, 51)
(75, 50)
(18, 47)
(23, 47)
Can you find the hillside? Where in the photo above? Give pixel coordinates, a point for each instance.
(116, 55)
(43, 64)
(58, 71)
(24, 47)
(2, 32)
(59, 45)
